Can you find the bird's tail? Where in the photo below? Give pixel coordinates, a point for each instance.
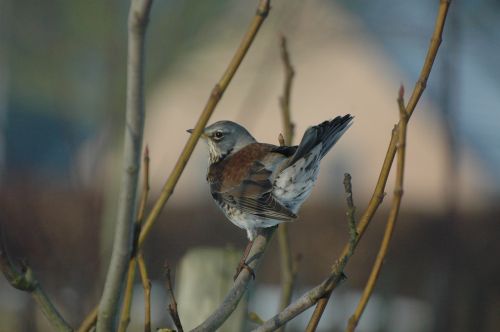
(327, 133)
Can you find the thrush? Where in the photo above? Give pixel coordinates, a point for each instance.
(259, 185)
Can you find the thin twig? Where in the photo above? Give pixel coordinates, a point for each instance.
(337, 272)
(391, 220)
(375, 201)
(320, 294)
(25, 280)
(254, 317)
(298, 306)
(145, 190)
(89, 321)
(172, 306)
(351, 209)
(288, 271)
(127, 299)
(281, 140)
(122, 247)
(437, 38)
(391, 152)
(288, 126)
(146, 285)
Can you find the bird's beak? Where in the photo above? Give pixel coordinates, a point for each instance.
(202, 134)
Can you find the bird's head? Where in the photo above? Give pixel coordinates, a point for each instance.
(224, 138)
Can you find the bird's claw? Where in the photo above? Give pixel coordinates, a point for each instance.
(240, 268)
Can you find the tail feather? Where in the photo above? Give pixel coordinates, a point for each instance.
(327, 133)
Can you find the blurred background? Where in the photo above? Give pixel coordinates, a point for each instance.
(62, 102)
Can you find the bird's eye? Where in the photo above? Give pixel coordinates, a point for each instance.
(218, 135)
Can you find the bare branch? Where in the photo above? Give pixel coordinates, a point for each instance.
(146, 285)
(127, 298)
(145, 188)
(254, 317)
(436, 39)
(391, 221)
(320, 294)
(129, 287)
(288, 125)
(172, 307)
(122, 247)
(281, 140)
(351, 209)
(26, 281)
(295, 308)
(378, 194)
(288, 271)
(89, 321)
(338, 268)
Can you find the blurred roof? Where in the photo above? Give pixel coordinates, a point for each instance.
(341, 68)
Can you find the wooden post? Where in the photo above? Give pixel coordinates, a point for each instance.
(204, 277)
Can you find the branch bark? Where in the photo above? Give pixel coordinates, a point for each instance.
(172, 306)
(89, 321)
(312, 296)
(391, 220)
(26, 281)
(288, 126)
(297, 307)
(288, 270)
(146, 285)
(134, 126)
(139, 259)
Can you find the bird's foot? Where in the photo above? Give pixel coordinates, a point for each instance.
(243, 266)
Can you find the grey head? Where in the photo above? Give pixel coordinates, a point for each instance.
(224, 138)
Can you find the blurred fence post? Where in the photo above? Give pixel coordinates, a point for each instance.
(203, 278)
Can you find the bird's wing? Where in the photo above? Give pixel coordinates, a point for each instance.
(252, 194)
(287, 151)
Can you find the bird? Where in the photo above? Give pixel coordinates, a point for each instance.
(259, 185)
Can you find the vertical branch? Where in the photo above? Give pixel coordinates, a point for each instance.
(172, 307)
(351, 209)
(393, 215)
(146, 285)
(378, 193)
(127, 299)
(288, 271)
(288, 126)
(337, 274)
(134, 126)
(25, 281)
